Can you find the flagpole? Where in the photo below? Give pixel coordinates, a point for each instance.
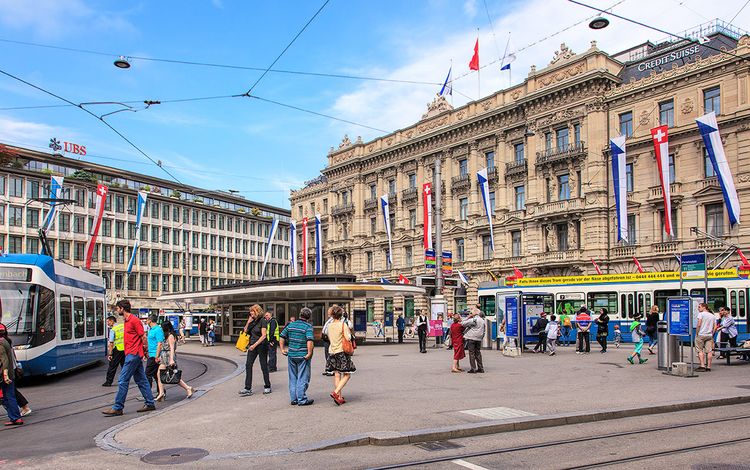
(505, 54)
(451, 93)
(479, 86)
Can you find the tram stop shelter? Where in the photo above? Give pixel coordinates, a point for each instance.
(285, 297)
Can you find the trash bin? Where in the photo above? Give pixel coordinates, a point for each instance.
(487, 340)
(668, 346)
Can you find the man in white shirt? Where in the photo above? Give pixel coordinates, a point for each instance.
(421, 324)
(704, 337)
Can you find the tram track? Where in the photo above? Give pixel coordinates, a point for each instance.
(578, 440)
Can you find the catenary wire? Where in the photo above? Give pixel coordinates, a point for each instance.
(740, 11)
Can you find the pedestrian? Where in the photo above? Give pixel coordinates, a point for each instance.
(134, 340)
(339, 362)
(618, 336)
(326, 343)
(155, 338)
(474, 330)
(211, 332)
(256, 327)
(566, 326)
(183, 325)
(292, 319)
(296, 341)
(21, 400)
(704, 340)
(540, 328)
(652, 319)
(272, 335)
(583, 325)
(457, 340)
(115, 349)
(202, 329)
(421, 324)
(602, 328)
(728, 329)
(8, 376)
(637, 336)
(400, 326)
(168, 357)
(552, 330)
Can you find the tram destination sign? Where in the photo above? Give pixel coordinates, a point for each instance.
(693, 266)
(15, 274)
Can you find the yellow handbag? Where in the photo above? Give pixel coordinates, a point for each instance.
(243, 342)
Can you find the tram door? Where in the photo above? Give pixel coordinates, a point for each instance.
(644, 301)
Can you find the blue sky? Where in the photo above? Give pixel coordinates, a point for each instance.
(257, 147)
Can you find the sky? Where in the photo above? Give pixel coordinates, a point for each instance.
(258, 146)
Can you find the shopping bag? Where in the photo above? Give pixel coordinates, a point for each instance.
(243, 342)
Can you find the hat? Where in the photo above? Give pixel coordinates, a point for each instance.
(2, 327)
(544, 314)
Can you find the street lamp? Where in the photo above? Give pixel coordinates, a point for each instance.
(599, 23)
(122, 62)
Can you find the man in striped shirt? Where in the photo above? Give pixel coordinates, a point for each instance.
(297, 344)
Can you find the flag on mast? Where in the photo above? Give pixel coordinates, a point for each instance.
(142, 196)
(661, 147)
(474, 63)
(427, 226)
(638, 265)
(742, 257)
(448, 84)
(596, 266)
(485, 190)
(387, 220)
(462, 277)
(318, 246)
(507, 60)
(269, 243)
(304, 246)
(293, 247)
(403, 279)
(619, 177)
(709, 130)
(55, 187)
(101, 196)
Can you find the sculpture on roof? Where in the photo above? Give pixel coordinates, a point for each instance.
(563, 54)
(438, 105)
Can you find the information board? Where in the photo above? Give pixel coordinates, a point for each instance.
(693, 266)
(435, 328)
(388, 320)
(678, 315)
(511, 317)
(360, 320)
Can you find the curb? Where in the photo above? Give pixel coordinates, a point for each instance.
(105, 440)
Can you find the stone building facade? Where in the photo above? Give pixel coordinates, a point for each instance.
(545, 144)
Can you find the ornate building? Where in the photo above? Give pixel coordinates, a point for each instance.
(545, 144)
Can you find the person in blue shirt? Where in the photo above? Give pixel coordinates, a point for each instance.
(296, 341)
(155, 338)
(400, 326)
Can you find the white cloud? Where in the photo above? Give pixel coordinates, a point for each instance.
(392, 106)
(470, 8)
(17, 132)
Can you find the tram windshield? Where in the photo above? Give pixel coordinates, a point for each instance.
(27, 310)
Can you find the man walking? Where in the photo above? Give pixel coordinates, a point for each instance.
(583, 324)
(155, 343)
(134, 341)
(297, 344)
(272, 334)
(400, 326)
(203, 332)
(115, 349)
(473, 335)
(421, 324)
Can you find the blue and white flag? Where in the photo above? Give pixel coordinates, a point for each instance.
(387, 220)
(506, 61)
(318, 246)
(384, 281)
(484, 188)
(619, 177)
(448, 84)
(269, 244)
(55, 187)
(138, 217)
(293, 247)
(462, 277)
(709, 130)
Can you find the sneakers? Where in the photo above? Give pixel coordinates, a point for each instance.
(146, 408)
(111, 412)
(17, 422)
(307, 403)
(480, 371)
(551, 354)
(700, 369)
(630, 360)
(294, 403)
(643, 361)
(266, 390)
(106, 384)
(471, 371)
(245, 392)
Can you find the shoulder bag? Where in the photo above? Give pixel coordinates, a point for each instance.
(243, 342)
(171, 375)
(349, 345)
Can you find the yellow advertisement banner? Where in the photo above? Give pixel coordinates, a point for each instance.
(615, 278)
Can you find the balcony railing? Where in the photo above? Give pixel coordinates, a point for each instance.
(516, 168)
(655, 192)
(709, 243)
(392, 199)
(665, 247)
(492, 174)
(409, 194)
(371, 203)
(560, 207)
(623, 251)
(555, 154)
(557, 257)
(461, 183)
(711, 182)
(342, 209)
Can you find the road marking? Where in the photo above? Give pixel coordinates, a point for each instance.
(466, 464)
(500, 412)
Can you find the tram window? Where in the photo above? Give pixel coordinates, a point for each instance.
(66, 318)
(78, 318)
(742, 308)
(631, 306)
(648, 302)
(641, 305)
(733, 302)
(623, 306)
(608, 300)
(487, 304)
(317, 313)
(99, 318)
(45, 320)
(660, 297)
(717, 297)
(567, 306)
(545, 300)
(90, 322)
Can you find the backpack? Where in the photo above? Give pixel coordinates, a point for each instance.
(566, 322)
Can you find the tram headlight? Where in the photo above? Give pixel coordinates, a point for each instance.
(23, 346)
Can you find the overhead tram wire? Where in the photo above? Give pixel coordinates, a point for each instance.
(100, 119)
(740, 11)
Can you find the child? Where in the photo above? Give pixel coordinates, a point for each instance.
(552, 329)
(618, 336)
(635, 331)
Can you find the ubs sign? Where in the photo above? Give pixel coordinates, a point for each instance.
(676, 55)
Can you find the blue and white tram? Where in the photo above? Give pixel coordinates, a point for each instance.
(54, 313)
(624, 295)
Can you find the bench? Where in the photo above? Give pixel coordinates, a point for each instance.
(728, 352)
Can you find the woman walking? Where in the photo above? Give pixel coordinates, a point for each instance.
(602, 329)
(652, 319)
(23, 403)
(256, 327)
(457, 340)
(169, 354)
(339, 362)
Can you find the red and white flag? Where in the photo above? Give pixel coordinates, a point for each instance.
(638, 265)
(661, 147)
(474, 64)
(402, 279)
(517, 273)
(596, 266)
(427, 226)
(304, 246)
(101, 197)
(742, 257)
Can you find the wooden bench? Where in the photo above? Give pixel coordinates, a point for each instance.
(728, 352)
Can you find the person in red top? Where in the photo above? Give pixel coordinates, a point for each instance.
(135, 341)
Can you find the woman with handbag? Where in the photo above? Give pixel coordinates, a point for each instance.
(21, 400)
(340, 336)
(169, 356)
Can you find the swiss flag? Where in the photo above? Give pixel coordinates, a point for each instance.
(474, 64)
(517, 274)
(638, 265)
(402, 279)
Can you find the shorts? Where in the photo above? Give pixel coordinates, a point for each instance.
(638, 347)
(704, 344)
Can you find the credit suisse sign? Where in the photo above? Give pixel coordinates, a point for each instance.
(675, 55)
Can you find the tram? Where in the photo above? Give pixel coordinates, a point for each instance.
(624, 295)
(54, 313)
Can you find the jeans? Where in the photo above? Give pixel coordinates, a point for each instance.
(602, 340)
(261, 352)
(565, 335)
(552, 345)
(299, 378)
(9, 399)
(400, 336)
(422, 339)
(118, 359)
(583, 337)
(475, 354)
(271, 356)
(133, 367)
